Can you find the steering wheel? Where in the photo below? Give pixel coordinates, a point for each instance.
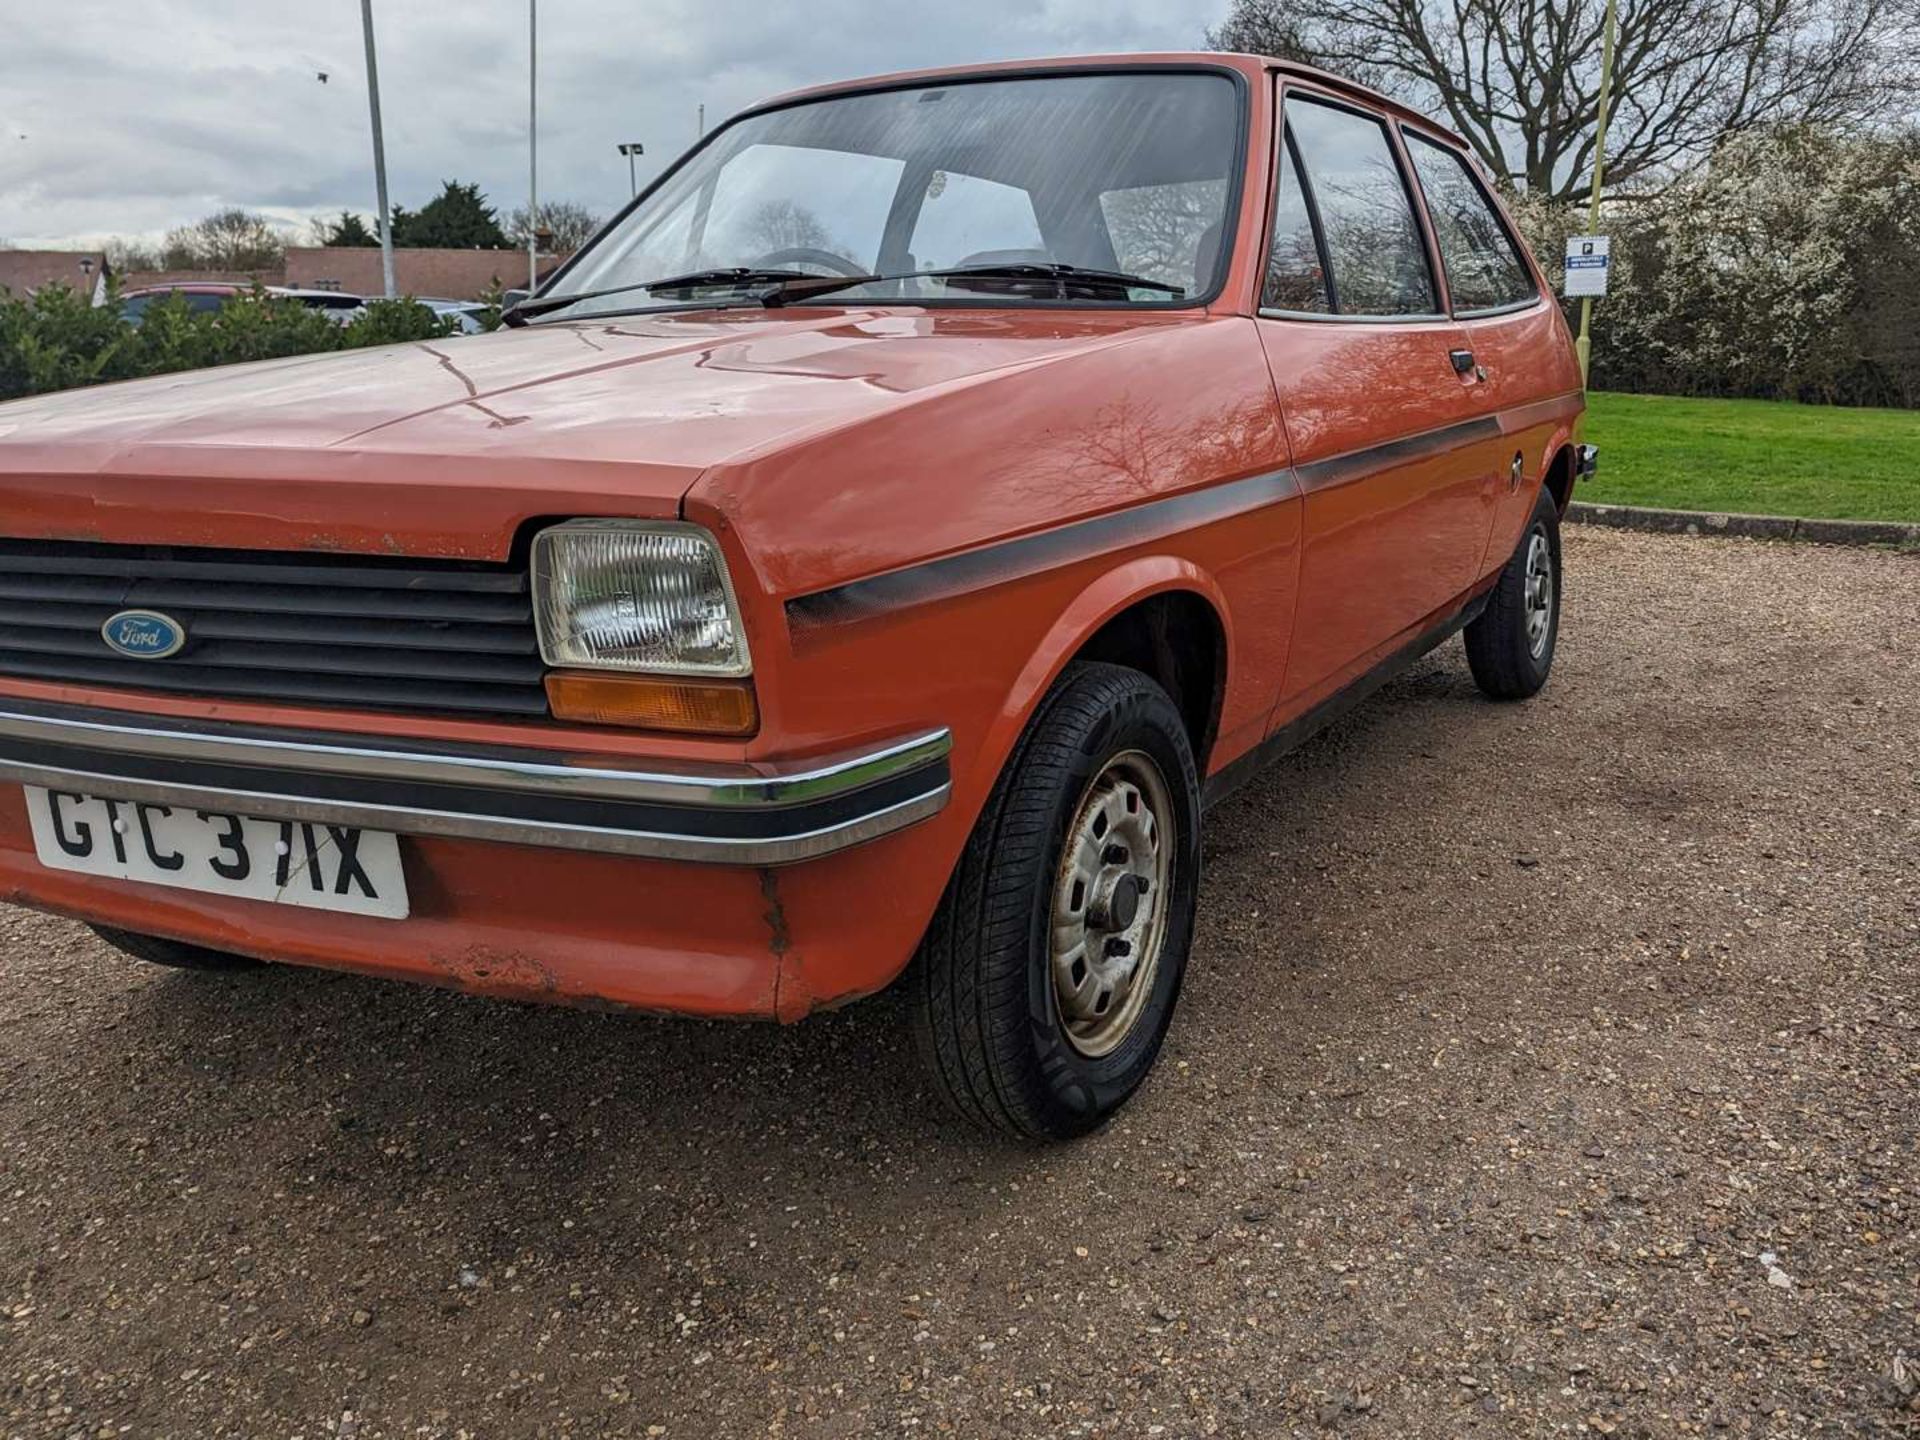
(808, 255)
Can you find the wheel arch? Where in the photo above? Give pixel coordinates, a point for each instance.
(1559, 476)
(1133, 615)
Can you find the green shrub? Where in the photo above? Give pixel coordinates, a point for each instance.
(389, 322)
(56, 339)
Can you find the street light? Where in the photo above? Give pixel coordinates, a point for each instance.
(533, 146)
(1583, 346)
(379, 153)
(630, 149)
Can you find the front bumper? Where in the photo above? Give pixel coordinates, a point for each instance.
(739, 815)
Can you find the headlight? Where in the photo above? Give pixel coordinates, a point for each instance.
(635, 595)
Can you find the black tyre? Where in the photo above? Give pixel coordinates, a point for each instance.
(1047, 979)
(1510, 647)
(176, 954)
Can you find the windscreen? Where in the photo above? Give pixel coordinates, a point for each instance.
(1127, 174)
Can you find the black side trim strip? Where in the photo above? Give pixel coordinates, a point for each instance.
(1554, 407)
(1290, 736)
(1320, 474)
(995, 564)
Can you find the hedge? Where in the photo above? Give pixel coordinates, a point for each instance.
(1781, 269)
(56, 339)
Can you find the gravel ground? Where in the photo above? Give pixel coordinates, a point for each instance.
(1542, 1070)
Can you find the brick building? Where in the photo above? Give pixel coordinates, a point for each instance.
(443, 274)
(24, 271)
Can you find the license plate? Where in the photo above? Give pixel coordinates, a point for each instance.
(284, 862)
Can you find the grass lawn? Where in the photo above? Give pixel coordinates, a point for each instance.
(1762, 457)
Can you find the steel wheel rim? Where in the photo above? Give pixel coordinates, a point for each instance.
(1539, 593)
(1111, 898)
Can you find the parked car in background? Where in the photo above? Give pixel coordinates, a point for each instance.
(199, 298)
(873, 553)
(470, 314)
(338, 306)
(212, 295)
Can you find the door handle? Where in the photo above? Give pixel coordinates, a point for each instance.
(1462, 361)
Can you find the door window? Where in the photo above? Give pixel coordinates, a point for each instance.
(1375, 258)
(1484, 269)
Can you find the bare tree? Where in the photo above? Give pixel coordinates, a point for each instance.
(1273, 27)
(1157, 229)
(568, 225)
(231, 239)
(124, 254)
(788, 225)
(1520, 79)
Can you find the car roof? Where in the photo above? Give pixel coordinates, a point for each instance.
(1251, 66)
(189, 287)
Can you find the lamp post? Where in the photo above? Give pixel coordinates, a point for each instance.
(379, 152)
(1583, 346)
(630, 149)
(533, 147)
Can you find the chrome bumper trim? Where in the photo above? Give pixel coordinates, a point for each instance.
(742, 815)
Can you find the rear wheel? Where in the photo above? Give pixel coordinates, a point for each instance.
(1510, 646)
(175, 954)
(1047, 979)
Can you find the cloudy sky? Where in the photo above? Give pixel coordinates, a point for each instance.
(126, 117)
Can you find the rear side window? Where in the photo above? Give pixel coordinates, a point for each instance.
(1484, 270)
(1375, 257)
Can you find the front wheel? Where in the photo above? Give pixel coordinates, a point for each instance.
(1510, 646)
(174, 954)
(1048, 977)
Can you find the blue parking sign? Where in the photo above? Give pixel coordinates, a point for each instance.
(1587, 263)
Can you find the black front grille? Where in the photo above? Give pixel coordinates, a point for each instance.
(404, 634)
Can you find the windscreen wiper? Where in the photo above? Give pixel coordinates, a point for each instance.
(776, 285)
(782, 287)
(1060, 276)
(741, 276)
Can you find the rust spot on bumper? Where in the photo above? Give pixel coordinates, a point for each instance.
(497, 972)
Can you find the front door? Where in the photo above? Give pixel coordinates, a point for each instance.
(1529, 386)
(1377, 395)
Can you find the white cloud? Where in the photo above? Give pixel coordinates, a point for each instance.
(123, 119)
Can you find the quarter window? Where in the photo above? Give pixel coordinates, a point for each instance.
(1372, 243)
(1484, 270)
(1296, 280)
